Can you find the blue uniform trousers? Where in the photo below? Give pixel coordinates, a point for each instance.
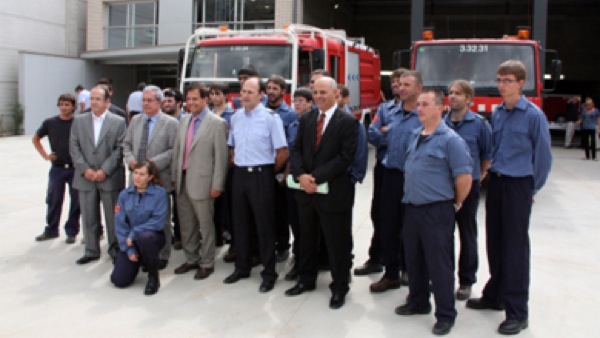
(58, 177)
(375, 247)
(429, 245)
(466, 218)
(508, 208)
(392, 220)
(148, 245)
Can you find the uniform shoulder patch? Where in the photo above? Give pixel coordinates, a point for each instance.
(117, 209)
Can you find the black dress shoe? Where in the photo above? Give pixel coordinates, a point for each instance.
(292, 275)
(299, 289)
(152, 286)
(235, 277)
(45, 237)
(442, 328)
(86, 259)
(163, 264)
(186, 267)
(337, 301)
(512, 326)
(483, 304)
(367, 269)
(410, 309)
(70, 240)
(266, 286)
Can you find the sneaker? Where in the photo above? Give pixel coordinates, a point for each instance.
(70, 240)
(463, 292)
(45, 237)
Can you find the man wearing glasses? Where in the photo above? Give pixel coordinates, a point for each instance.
(151, 136)
(521, 161)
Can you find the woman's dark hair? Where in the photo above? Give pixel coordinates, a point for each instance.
(152, 170)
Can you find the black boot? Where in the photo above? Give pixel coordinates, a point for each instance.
(153, 284)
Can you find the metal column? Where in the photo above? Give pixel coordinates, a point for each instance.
(417, 8)
(540, 23)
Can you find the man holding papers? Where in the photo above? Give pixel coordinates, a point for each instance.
(322, 152)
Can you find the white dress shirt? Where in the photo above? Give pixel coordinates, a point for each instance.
(98, 122)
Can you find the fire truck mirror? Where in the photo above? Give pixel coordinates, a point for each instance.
(556, 69)
(318, 60)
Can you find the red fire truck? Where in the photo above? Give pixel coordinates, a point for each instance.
(443, 60)
(215, 55)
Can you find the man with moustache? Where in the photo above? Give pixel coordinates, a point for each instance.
(438, 179)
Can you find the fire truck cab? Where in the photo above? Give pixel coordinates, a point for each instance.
(216, 55)
(443, 60)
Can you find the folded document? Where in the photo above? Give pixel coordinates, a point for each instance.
(322, 188)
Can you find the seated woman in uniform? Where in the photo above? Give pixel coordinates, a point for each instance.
(140, 216)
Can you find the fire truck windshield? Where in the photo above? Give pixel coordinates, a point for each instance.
(440, 64)
(214, 62)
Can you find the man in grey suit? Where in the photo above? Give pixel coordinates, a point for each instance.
(151, 136)
(198, 172)
(96, 150)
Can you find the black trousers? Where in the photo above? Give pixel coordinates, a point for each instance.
(253, 201)
(392, 220)
(508, 208)
(589, 142)
(282, 222)
(175, 218)
(336, 232)
(429, 243)
(148, 245)
(58, 178)
(375, 247)
(293, 218)
(466, 218)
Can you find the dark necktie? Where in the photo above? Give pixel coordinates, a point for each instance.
(144, 142)
(319, 134)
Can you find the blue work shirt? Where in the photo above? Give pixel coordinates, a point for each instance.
(287, 115)
(521, 142)
(432, 167)
(589, 120)
(386, 112)
(227, 114)
(135, 213)
(358, 168)
(398, 134)
(477, 133)
(237, 104)
(292, 130)
(256, 135)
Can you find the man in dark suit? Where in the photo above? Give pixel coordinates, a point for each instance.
(96, 150)
(322, 152)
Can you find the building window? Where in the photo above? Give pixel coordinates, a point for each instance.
(236, 14)
(131, 25)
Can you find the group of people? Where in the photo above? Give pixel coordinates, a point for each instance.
(587, 116)
(264, 168)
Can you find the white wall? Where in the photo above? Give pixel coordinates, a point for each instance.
(175, 21)
(43, 78)
(32, 26)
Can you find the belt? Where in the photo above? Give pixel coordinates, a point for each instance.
(255, 169)
(66, 166)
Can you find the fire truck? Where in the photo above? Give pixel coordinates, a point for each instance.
(216, 54)
(441, 61)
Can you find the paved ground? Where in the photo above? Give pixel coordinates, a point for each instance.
(43, 293)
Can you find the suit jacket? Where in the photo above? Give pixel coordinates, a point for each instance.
(160, 145)
(330, 162)
(208, 158)
(107, 155)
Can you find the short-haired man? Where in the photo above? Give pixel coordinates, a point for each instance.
(521, 161)
(377, 136)
(276, 89)
(151, 136)
(259, 149)
(322, 152)
(244, 74)
(172, 103)
(58, 129)
(198, 173)
(107, 83)
(477, 133)
(438, 179)
(83, 98)
(396, 134)
(343, 98)
(96, 149)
